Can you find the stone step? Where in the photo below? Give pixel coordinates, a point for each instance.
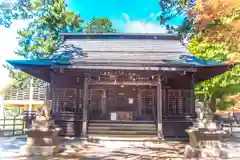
(147, 132)
(122, 122)
(122, 128)
(152, 128)
(123, 137)
(115, 124)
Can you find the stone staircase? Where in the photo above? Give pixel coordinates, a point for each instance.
(106, 129)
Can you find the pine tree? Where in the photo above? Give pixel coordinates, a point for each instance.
(41, 38)
(99, 25)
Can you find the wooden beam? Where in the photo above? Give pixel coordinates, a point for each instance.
(85, 107)
(126, 83)
(100, 72)
(152, 68)
(159, 108)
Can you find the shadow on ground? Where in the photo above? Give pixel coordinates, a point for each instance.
(114, 151)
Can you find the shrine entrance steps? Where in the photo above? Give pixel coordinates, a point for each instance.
(122, 130)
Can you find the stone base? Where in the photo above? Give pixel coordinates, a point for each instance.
(39, 150)
(191, 152)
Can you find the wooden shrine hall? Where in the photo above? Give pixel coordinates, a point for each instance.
(122, 84)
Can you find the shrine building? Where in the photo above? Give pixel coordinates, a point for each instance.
(122, 85)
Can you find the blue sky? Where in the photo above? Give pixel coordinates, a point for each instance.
(139, 16)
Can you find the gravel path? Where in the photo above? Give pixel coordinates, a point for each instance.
(106, 150)
(75, 149)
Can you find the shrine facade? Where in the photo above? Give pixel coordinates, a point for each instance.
(103, 83)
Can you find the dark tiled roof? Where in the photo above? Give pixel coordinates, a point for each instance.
(122, 51)
(141, 49)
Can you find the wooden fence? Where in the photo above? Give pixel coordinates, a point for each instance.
(12, 126)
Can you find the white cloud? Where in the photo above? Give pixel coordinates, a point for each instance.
(126, 17)
(152, 15)
(143, 27)
(138, 26)
(9, 43)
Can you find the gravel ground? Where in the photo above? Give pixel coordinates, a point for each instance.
(75, 149)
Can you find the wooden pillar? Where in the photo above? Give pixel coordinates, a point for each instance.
(53, 94)
(159, 108)
(139, 102)
(85, 107)
(192, 109)
(78, 100)
(104, 101)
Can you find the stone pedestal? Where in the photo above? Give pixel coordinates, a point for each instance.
(195, 152)
(42, 139)
(205, 143)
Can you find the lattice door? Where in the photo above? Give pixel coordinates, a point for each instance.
(179, 102)
(118, 99)
(64, 100)
(95, 99)
(149, 100)
(173, 97)
(186, 100)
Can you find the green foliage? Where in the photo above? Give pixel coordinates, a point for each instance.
(213, 92)
(42, 36)
(171, 9)
(99, 25)
(36, 5)
(19, 10)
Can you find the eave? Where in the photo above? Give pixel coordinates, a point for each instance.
(43, 71)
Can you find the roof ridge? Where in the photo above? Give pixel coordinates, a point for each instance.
(154, 36)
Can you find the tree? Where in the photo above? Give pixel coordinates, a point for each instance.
(214, 92)
(212, 29)
(170, 9)
(99, 25)
(42, 36)
(218, 21)
(36, 4)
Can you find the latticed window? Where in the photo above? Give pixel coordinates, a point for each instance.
(149, 100)
(64, 100)
(179, 102)
(18, 93)
(39, 91)
(95, 99)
